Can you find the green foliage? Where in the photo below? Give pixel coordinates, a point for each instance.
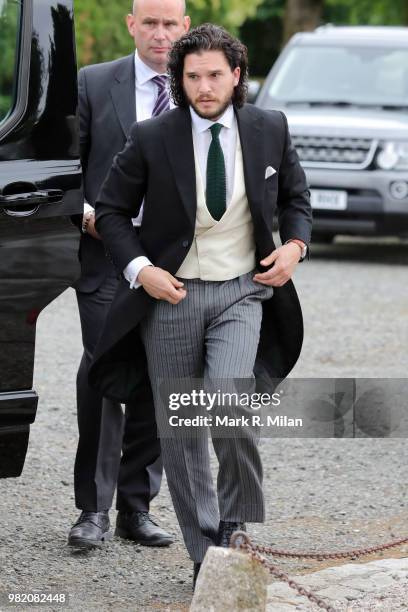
(5, 103)
(269, 9)
(228, 13)
(102, 33)
(263, 34)
(9, 21)
(367, 12)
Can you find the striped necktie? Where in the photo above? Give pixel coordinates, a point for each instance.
(162, 101)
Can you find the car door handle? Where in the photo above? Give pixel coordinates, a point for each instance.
(26, 204)
(35, 198)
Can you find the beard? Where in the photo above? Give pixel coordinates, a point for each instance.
(214, 114)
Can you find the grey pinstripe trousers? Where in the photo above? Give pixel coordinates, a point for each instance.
(212, 334)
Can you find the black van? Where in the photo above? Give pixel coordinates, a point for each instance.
(40, 190)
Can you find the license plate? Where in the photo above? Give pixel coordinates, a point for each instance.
(326, 199)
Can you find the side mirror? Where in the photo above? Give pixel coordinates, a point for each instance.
(253, 90)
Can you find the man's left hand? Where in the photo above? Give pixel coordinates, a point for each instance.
(284, 260)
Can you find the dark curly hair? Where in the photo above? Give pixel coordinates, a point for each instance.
(208, 37)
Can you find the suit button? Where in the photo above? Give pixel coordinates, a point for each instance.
(185, 243)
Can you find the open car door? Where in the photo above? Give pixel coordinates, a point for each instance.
(40, 190)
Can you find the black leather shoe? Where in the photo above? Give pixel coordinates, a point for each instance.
(197, 567)
(225, 531)
(90, 530)
(140, 527)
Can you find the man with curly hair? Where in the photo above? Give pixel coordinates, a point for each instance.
(208, 294)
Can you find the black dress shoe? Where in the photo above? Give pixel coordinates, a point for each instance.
(225, 531)
(197, 567)
(140, 527)
(90, 530)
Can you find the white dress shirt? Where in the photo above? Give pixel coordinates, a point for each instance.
(146, 90)
(202, 140)
(228, 140)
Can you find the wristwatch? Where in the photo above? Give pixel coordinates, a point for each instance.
(301, 245)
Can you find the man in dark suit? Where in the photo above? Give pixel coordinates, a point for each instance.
(111, 96)
(215, 299)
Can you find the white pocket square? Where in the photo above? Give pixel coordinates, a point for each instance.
(269, 172)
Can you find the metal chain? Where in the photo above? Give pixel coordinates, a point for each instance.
(240, 540)
(358, 552)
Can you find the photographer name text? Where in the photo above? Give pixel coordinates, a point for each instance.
(226, 421)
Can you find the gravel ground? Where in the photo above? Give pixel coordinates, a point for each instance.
(321, 494)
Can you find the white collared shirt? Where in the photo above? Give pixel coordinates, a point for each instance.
(146, 90)
(228, 139)
(202, 139)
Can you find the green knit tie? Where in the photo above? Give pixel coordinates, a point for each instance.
(216, 184)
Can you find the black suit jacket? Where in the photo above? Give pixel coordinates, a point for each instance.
(107, 110)
(157, 164)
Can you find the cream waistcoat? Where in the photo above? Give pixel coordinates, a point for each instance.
(224, 249)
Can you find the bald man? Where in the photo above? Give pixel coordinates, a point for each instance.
(116, 448)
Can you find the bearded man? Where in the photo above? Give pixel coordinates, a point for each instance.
(208, 293)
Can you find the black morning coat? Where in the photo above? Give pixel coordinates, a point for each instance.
(157, 165)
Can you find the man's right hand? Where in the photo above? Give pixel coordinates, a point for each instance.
(88, 221)
(161, 285)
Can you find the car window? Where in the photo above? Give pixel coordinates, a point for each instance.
(360, 75)
(9, 43)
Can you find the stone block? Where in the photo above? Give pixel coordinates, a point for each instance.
(230, 580)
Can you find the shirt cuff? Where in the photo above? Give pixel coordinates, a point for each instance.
(87, 208)
(131, 272)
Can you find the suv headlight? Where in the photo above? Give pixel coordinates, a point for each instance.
(393, 156)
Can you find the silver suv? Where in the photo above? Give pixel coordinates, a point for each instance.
(345, 93)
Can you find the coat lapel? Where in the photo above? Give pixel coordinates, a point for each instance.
(250, 132)
(123, 93)
(178, 141)
(179, 145)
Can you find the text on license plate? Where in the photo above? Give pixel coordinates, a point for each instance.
(326, 199)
